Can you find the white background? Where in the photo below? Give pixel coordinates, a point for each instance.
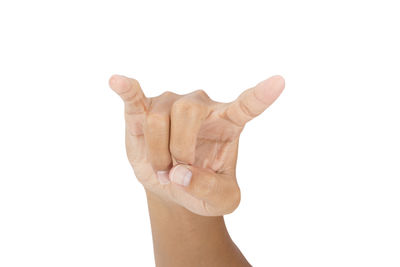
(319, 170)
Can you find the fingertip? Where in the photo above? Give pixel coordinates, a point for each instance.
(120, 84)
(113, 79)
(278, 80)
(181, 174)
(274, 81)
(268, 90)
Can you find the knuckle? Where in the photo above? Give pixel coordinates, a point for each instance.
(168, 93)
(130, 95)
(135, 83)
(201, 93)
(246, 109)
(132, 91)
(182, 106)
(187, 107)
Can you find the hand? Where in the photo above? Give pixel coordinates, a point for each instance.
(183, 148)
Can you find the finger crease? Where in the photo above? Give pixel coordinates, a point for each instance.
(245, 109)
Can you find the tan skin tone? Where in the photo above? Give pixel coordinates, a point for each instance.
(183, 149)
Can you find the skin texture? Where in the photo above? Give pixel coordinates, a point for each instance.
(183, 149)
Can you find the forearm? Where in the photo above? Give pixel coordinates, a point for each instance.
(201, 135)
(182, 238)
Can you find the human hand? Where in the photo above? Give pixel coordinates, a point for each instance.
(183, 148)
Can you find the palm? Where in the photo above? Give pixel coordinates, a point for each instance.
(211, 151)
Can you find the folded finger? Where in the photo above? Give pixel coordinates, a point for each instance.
(187, 115)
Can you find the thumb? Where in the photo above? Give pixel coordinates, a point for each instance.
(254, 101)
(218, 190)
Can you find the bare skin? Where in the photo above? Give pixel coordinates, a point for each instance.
(183, 149)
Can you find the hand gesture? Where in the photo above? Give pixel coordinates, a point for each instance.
(183, 148)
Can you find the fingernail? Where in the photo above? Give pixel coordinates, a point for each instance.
(181, 175)
(163, 177)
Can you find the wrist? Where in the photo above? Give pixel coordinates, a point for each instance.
(181, 237)
(155, 201)
(164, 208)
